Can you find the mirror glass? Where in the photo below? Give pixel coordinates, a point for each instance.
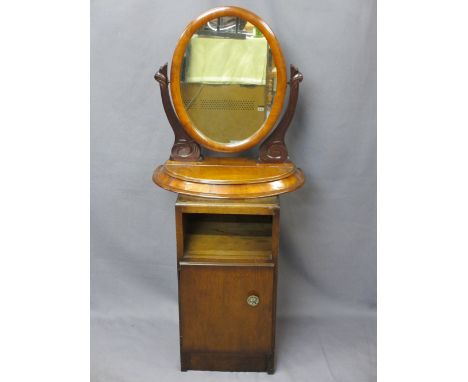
(228, 79)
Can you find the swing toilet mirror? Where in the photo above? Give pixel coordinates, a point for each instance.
(228, 79)
(226, 93)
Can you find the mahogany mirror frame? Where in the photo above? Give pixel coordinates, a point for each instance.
(176, 68)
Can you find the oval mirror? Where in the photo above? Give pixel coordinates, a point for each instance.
(228, 79)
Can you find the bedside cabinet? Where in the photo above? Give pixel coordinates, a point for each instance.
(227, 260)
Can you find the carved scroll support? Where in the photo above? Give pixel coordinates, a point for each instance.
(273, 149)
(185, 148)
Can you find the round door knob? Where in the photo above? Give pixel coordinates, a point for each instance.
(253, 300)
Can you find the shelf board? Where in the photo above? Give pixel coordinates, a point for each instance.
(229, 240)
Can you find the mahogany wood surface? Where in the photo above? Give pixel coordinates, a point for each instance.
(229, 171)
(273, 149)
(176, 68)
(234, 178)
(184, 147)
(227, 250)
(215, 313)
(263, 206)
(227, 238)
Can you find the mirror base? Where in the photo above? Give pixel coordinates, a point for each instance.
(230, 178)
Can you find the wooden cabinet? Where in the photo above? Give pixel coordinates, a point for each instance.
(227, 253)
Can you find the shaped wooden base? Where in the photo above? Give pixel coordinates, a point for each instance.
(233, 178)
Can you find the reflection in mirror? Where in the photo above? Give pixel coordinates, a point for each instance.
(228, 79)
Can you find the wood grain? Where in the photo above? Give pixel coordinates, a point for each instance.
(244, 238)
(228, 171)
(184, 147)
(215, 314)
(273, 149)
(233, 178)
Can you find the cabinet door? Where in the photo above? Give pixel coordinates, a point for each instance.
(215, 312)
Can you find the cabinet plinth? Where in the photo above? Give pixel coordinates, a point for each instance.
(227, 260)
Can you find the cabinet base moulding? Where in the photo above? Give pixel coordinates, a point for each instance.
(227, 362)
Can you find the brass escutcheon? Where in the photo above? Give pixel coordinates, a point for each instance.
(253, 300)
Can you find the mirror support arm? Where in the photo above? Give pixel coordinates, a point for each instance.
(273, 149)
(184, 148)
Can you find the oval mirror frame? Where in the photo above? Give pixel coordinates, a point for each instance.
(176, 67)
